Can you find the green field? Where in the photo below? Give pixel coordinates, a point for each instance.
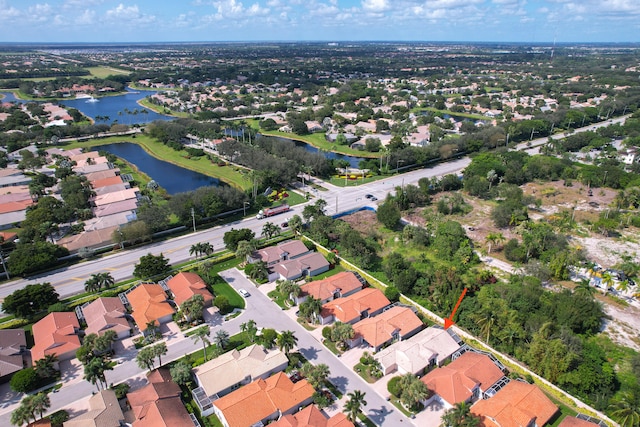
(102, 72)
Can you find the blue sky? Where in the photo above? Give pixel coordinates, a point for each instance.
(529, 21)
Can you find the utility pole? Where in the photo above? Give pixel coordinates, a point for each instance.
(4, 265)
(193, 217)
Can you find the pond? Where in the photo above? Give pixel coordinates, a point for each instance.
(353, 161)
(174, 179)
(123, 108)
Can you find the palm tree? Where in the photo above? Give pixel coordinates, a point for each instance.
(413, 390)
(354, 404)
(626, 409)
(492, 239)
(221, 338)
(244, 249)
(295, 224)
(145, 358)
(286, 341)
(160, 350)
(45, 367)
(250, 329)
(91, 285)
(195, 249)
(316, 374)
(21, 416)
(202, 334)
(460, 416)
(584, 288)
(95, 369)
(270, 229)
(607, 281)
(40, 403)
(289, 289)
(310, 309)
(259, 271)
(105, 280)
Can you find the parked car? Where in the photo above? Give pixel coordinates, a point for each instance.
(243, 292)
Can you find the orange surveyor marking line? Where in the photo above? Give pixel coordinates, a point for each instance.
(449, 320)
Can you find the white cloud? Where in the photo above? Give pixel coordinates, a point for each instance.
(86, 18)
(375, 5)
(124, 13)
(8, 12)
(39, 12)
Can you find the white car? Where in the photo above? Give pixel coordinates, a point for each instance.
(243, 292)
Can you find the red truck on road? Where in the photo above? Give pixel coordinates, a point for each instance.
(265, 213)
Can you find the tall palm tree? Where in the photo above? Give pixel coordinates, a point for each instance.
(160, 350)
(21, 416)
(94, 371)
(295, 224)
(91, 285)
(45, 367)
(250, 329)
(286, 341)
(244, 249)
(607, 281)
(270, 229)
(105, 280)
(460, 416)
(584, 288)
(40, 403)
(354, 404)
(221, 338)
(202, 334)
(626, 409)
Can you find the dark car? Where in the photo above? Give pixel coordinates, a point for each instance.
(369, 196)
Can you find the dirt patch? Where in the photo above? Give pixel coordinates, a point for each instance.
(362, 221)
(623, 326)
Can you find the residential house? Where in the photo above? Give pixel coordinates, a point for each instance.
(339, 285)
(517, 404)
(310, 264)
(91, 239)
(428, 348)
(355, 307)
(149, 305)
(463, 380)
(570, 421)
(118, 196)
(236, 368)
(106, 314)
(272, 255)
(185, 285)
(263, 400)
(314, 126)
(158, 403)
(104, 411)
(106, 182)
(56, 333)
(311, 416)
(393, 324)
(13, 346)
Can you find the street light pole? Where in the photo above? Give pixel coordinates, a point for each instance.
(398, 165)
(193, 217)
(244, 208)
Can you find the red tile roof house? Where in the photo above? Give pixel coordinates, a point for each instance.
(158, 403)
(355, 307)
(149, 304)
(311, 416)
(106, 314)
(272, 255)
(517, 404)
(57, 333)
(576, 422)
(463, 380)
(339, 285)
(263, 400)
(13, 346)
(309, 265)
(185, 285)
(393, 324)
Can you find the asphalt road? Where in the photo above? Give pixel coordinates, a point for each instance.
(70, 280)
(266, 314)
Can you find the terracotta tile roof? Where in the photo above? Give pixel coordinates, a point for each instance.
(575, 422)
(517, 404)
(185, 285)
(105, 314)
(117, 196)
(262, 398)
(379, 329)
(55, 334)
(104, 182)
(149, 303)
(94, 176)
(88, 239)
(15, 206)
(456, 381)
(344, 282)
(350, 308)
(311, 416)
(158, 403)
(104, 411)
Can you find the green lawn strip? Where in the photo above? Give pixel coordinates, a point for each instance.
(332, 347)
(220, 287)
(335, 270)
(565, 411)
(278, 298)
(396, 402)
(452, 113)
(103, 72)
(341, 182)
(363, 371)
(229, 174)
(366, 421)
(316, 139)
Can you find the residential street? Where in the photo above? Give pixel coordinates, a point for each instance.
(264, 312)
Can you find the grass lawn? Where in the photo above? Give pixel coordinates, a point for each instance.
(366, 421)
(335, 270)
(363, 371)
(103, 72)
(229, 174)
(564, 412)
(278, 298)
(162, 110)
(341, 182)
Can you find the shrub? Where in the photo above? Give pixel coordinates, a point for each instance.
(222, 302)
(392, 293)
(58, 418)
(394, 386)
(24, 381)
(326, 333)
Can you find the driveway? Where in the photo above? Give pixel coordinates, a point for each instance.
(267, 314)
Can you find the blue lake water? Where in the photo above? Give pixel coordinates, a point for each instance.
(172, 178)
(353, 161)
(123, 108)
